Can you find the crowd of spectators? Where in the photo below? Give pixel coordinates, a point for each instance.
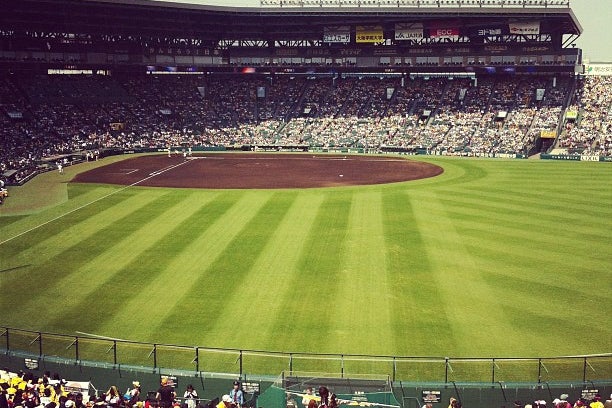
(564, 401)
(47, 116)
(590, 132)
(26, 390)
(49, 391)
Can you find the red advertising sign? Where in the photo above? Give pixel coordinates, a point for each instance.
(444, 32)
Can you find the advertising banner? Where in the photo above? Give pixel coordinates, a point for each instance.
(548, 134)
(261, 92)
(486, 31)
(589, 158)
(390, 92)
(571, 157)
(369, 34)
(598, 69)
(450, 33)
(431, 396)
(571, 115)
(528, 27)
(78, 386)
(337, 34)
(410, 31)
(202, 91)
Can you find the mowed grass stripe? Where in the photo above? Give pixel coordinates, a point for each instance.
(55, 271)
(10, 219)
(558, 238)
(563, 271)
(178, 233)
(468, 299)
(530, 221)
(545, 194)
(543, 307)
(534, 256)
(91, 222)
(419, 309)
(226, 272)
(537, 322)
(583, 280)
(308, 314)
(456, 173)
(272, 279)
(518, 223)
(537, 306)
(180, 276)
(551, 208)
(37, 227)
(103, 273)
(541, 293)
(529, 246)
(363, 303)
(575, 191)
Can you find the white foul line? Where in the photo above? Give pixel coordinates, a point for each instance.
(156, 173)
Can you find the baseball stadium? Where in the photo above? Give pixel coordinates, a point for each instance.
(303, 204)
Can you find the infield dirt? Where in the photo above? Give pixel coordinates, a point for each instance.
(259, 171)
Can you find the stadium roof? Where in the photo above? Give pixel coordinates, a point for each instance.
(181, 20)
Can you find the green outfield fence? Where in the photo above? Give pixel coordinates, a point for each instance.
(115, 352)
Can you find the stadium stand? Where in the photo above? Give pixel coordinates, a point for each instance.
(502, 80)
(46, 116)
(591, 131)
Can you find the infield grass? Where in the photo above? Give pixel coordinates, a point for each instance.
(494, 258)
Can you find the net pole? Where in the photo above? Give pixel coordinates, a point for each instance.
(446, 370)
(241, 363)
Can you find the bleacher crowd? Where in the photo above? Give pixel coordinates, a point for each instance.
(26, 390)
(53, 115)
(591, 133)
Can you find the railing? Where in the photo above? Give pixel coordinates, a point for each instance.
(119, 352)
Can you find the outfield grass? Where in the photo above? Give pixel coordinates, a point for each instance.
(495, 258)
